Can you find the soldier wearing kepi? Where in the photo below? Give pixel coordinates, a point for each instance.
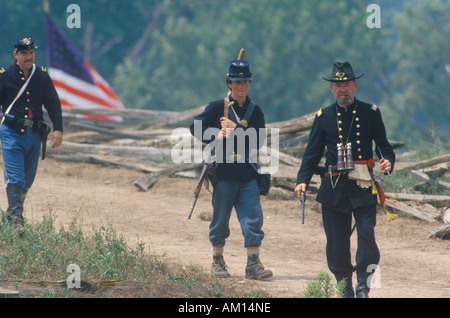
(24, 89)
(347, 129)
(235, 182)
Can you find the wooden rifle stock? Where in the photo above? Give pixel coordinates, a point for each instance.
(200, 184)
(226, 107)
(241, 54)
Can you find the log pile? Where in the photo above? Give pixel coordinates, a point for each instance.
(431, 175)
(144, 140)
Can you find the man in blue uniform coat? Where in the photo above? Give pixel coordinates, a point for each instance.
(347, 129)
(24, 89)
(235, 182)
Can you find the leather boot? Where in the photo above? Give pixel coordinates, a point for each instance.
(24, 195)
(362, 289)
(14, 213)
(218, 267)
(348, 291)
(255, 269)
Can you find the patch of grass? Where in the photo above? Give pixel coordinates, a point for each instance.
(43, 253)
(322, 287)
(403, 181)
(427, 149)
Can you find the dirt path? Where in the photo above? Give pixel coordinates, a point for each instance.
(411, 264)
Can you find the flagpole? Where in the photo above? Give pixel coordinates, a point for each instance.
(80, 84)
(46, 5)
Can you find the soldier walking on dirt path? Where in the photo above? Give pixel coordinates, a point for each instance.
(347, 129)
(24, 89)
(233, 174)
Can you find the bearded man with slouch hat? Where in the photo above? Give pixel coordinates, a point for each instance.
(347, 129)
(234, 173)
(24, 89)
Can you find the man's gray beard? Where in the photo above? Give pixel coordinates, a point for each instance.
(344, 100)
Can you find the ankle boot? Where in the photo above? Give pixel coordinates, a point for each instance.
(255, 269)
(362, 289)
(219, 268)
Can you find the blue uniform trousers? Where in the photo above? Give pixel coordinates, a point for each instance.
(245, 198)
(20, 156)
(337, 228)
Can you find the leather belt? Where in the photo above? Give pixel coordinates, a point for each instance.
(371, 164)
(331, 173)
(26, 122)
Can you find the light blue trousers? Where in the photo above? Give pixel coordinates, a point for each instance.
(244, 197)
(20, 156)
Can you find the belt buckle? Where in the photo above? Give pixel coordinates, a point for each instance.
(28, 123)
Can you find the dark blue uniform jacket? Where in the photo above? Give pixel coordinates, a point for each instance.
(361, 129)
(39, 92)
(210, 118)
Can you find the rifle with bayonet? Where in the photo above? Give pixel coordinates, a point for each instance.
(206, 164)
(200, 183)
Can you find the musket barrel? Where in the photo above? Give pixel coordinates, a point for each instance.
(193, 205)
(200, 183)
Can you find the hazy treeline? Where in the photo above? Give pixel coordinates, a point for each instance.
(174, 54)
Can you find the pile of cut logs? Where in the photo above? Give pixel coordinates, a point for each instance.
(432, 174)
(144, 140)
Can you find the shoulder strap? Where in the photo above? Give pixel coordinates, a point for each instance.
(20, 92)
(248, 114)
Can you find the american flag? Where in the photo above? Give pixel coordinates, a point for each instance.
(78, 84)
